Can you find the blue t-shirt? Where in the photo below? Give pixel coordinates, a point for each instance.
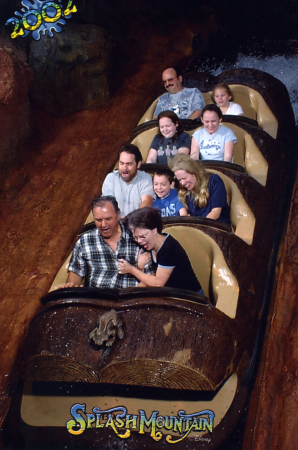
(212, 146)
(217, 199)
(170, 205)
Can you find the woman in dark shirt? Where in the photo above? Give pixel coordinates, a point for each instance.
(172, 266)
(202, 193)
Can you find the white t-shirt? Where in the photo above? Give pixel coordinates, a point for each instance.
(234, 109)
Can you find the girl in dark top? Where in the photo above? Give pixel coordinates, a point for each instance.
(202, 193)
(172, 266)
(170, 140)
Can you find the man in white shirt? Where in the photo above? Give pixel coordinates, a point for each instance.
(132, 188)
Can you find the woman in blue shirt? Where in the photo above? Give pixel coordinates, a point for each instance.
(202, 193)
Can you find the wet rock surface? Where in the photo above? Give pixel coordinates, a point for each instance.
(273, 420)
(15, 109)
(71, 70)
(46, 200)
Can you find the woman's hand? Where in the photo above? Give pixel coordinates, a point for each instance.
(124, 266)
(143, 259)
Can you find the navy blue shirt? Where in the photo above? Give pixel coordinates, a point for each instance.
(171, 255)
(217, 199)
(167, 147)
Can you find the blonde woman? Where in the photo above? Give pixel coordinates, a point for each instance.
(202, 193)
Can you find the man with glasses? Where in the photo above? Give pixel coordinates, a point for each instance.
(187, 103)
(96, 253)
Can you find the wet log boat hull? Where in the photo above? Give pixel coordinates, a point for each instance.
(181, 371)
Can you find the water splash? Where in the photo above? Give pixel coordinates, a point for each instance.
(285, 68)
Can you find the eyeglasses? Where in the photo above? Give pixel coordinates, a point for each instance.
(169, 80)
(141, 238)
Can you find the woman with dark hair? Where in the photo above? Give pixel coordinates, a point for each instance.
(172, 266)
(213, 141)
(170, 140)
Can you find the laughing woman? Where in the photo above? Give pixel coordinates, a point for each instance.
(172, 266)
(203, 194)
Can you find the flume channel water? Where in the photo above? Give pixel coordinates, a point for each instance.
(285, 68)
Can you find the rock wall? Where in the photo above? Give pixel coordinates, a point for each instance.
(71, 70)
(15, 109)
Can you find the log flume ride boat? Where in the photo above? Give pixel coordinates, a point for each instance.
(170, 368)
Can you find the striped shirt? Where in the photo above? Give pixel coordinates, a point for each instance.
(94, 259)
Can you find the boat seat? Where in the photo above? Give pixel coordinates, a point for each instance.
(242, 217)
(253, 105)
(210, 267)
(246, 152)
(208, 264)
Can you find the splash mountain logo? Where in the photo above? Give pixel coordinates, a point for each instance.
(39, 17)
(123, 423)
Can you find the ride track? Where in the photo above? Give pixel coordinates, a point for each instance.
(182, 353)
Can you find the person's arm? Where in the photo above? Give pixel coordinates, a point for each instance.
(229, 151)
(108, 187)
(161, 277)
(183, 150)
(183, 212)
(147, 200)
(184, 143)
(152, 156)
(143, 259)
(197, 104)
(146, 191)
(196, 114)
(214, 214)
(73, 280)
(195, 149)
(158, 109)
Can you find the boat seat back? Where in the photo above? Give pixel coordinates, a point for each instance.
(242, 218)
(210, 267)
(253, 105)
(61, 276)
(143, 141)
(246, 152)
